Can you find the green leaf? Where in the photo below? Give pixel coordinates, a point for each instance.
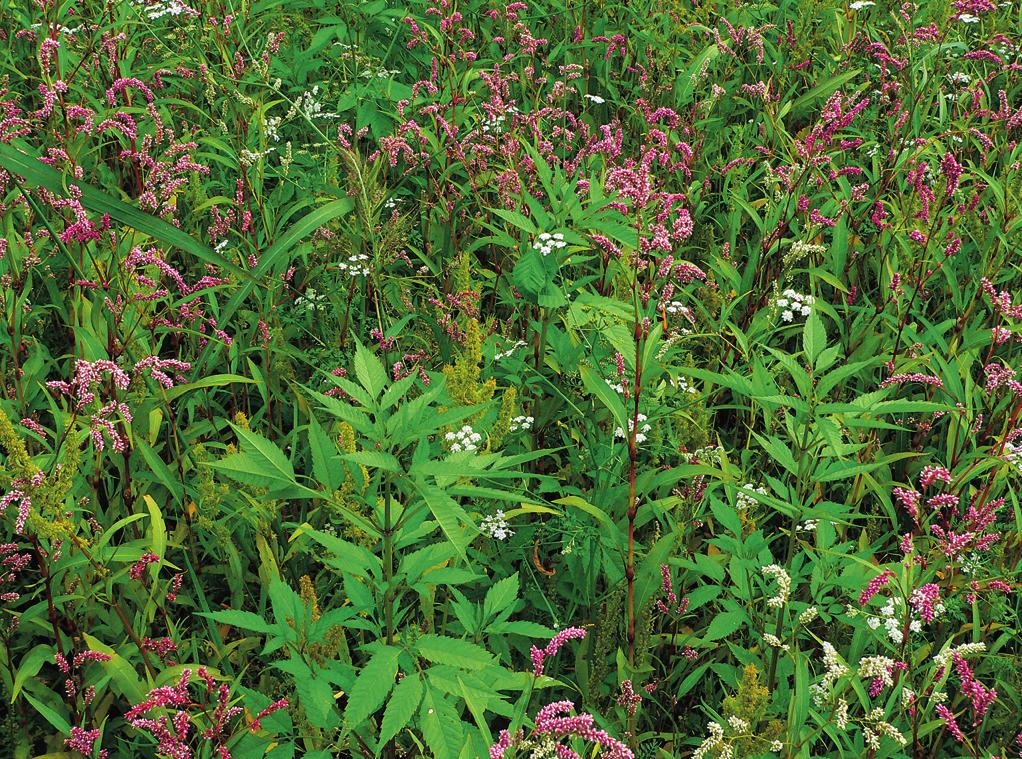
(453, 651)
(123, 676)
(530, 274)
(371, 686)
(449, 515)
(441, 727)
(607, 396)
(326, 466)
(244, 620)
(213, 380)
(50, 714)
(30, 665)
(260, 463)
(723, 625)
(317, 699)
(500, 595)
(369, 371)
(814, 337)
(401, 706)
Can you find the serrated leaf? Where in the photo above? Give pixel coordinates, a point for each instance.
(442, 729)
(500, 595)
(454, 652)
(317, 698)
(449, 515)
(369, 371)
(723, 625)
(814, 337)
(371, 686)
(401, 706)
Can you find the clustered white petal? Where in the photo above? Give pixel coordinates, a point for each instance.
(496, 526)
(794, 304)
(465, 439)
(547, 243)
(521, 423)
(640, 434)
(356, 265)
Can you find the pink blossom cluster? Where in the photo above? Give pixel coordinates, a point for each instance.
(11, 564)
(923, 600)
(549, 721)
(139, 567)
(667, 587)
(84, 742)
(874, 586)
(539, 655)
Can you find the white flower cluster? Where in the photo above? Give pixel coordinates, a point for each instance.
(808, 615)
(521, 423)
(709, 454)
(738, 724)
(792, 303)
(745, 501)
(965, 650)
(594, 99)
(968, 18)
(959, 77)
(617, 387)
(270, 128)
(380, 73)
(893, 620)
(858, 5)
(877, 668)
(356, 265)
(465, 439)
(640, 435)
(496, 526)
(674, 307)
(809, 525)
(872, 735)
(495, 123)
(546, 243)
(783, 585)
(714, 745)
(772, 640)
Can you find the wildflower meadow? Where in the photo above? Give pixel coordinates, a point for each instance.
(554, 379)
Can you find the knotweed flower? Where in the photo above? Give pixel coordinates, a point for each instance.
(783, 585)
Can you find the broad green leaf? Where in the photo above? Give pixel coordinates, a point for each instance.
(607, 396)
(441, 727)
(500, 595)
(30, 665)
(401, 707)
(723, 625)
(369, 371)
(453, 651)
(814, 337)
(371, 686)
(453, 520)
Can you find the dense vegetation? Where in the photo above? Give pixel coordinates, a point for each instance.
(633, 378)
